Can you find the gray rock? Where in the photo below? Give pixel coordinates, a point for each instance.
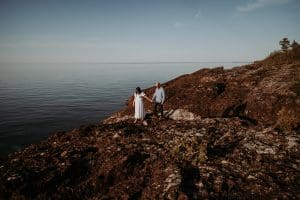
(181, 114)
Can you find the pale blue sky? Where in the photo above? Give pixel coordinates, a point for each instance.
(144, 30)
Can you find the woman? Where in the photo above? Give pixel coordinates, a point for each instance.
(139, 112)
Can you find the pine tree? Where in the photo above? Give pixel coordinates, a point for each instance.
(285, 44)
(294, 45)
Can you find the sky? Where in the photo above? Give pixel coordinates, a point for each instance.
(144, 30)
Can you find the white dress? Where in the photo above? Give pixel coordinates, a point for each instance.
(139, 112)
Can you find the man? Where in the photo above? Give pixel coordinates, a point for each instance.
(158, 100)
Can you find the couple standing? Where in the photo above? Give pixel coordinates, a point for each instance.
(157, 100)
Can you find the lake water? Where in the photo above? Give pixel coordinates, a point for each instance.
(39, 99)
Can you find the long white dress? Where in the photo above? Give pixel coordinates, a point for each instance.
(139, 112)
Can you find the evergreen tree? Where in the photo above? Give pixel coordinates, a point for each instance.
(294, 45)
(285, 44)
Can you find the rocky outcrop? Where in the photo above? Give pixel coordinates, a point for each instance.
(257, 92)
(228, 134)
(206, 158)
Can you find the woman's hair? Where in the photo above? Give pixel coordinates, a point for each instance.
(138, 90)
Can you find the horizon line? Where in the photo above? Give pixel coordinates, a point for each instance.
(146, 62)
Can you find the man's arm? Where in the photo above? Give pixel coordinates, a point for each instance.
(163, 95)
(154, 95)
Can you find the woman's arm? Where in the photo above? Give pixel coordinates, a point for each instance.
(147, 98)
(133, 101)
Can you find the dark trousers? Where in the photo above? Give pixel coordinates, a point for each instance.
(158, 107)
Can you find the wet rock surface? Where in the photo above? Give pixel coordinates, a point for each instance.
(231, 134)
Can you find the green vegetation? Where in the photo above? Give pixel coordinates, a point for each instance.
(294, 45)
(287, 54)
(285, 44)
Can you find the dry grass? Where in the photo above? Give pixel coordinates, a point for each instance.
(296, 88)
(279, 57)
(288, 119)
(189, 150)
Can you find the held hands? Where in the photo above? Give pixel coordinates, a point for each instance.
(150, 100)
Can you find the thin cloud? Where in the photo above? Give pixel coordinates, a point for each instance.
(256, 4)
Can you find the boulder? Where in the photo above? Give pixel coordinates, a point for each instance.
(181, 114)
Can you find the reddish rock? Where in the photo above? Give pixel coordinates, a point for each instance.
(241, 141)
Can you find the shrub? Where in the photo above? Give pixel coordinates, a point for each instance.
(189, 150)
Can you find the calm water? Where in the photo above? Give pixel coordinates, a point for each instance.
(39, 99)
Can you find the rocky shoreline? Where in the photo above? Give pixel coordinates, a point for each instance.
(229, 134)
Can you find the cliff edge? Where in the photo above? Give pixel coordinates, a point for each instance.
(229, 134)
